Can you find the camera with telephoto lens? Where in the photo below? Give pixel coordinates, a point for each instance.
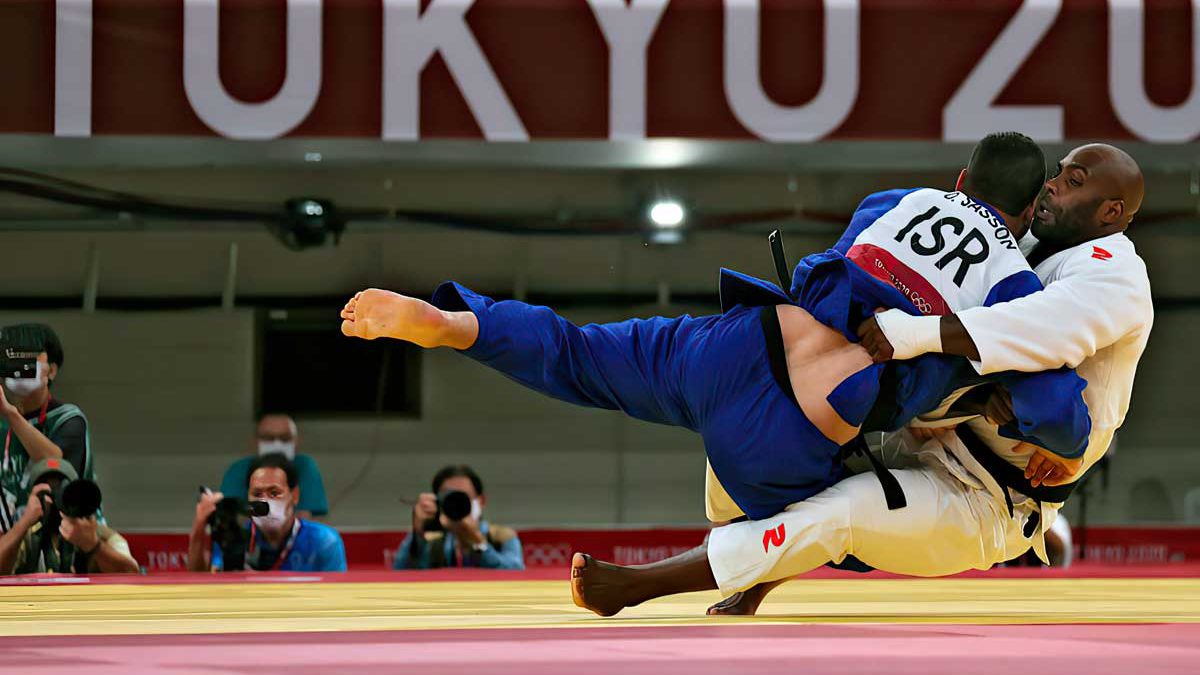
(229, 531)
(77, 498)
(19, 349)
(455, 504)
(69, 496)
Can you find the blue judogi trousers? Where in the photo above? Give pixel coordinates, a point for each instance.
(711, 374)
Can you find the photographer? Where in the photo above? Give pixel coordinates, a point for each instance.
(448, 529)
(46, 538)
(33, 424)
(275, 539)
(278, 433)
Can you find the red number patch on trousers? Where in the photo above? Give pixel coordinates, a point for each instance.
(773, 538)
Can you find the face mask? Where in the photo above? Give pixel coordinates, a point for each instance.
(276, 518)
(476, 509)
(23, 387)
(288, 448)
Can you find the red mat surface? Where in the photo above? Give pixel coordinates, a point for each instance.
(684, 650)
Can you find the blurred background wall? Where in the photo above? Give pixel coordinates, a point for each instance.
(155, 155)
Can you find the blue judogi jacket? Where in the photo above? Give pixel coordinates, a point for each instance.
(1048, 406)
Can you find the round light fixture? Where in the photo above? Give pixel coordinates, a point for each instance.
(667, 214)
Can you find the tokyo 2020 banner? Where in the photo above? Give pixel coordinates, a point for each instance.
(516, 70)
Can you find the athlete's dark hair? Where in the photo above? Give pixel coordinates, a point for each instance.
(1007, 170)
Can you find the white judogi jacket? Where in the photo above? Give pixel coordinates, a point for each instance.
(1095, 315)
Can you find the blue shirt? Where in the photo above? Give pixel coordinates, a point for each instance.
(419, 555)
(312, 486)
(318, 548)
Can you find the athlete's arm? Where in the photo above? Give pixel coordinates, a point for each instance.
(1095, 304)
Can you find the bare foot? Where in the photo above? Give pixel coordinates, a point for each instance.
(743, 603)
(738, 604)
(600, 587)
(376, 313)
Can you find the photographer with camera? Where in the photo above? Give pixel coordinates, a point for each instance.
(58, 531)
(278, 433)
(33, 424)
(448, 529)
(274, 539)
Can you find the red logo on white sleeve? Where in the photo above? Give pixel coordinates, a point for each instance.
(773, 537)
(1100, 254)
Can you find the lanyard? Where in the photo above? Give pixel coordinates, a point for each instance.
(8, 438)
(286, 550)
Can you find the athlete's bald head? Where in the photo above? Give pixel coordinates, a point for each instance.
(1095, 192)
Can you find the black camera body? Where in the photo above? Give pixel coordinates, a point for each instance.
(229, 532)
(19, 349)
(455, 504)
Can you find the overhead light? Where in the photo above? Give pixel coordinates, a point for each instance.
(308, 222)
(667, 213)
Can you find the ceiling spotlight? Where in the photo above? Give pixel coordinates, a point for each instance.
(307, 223)
(667, 213)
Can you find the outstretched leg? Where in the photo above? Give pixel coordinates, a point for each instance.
(663, 370)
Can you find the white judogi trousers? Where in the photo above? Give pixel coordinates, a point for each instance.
(956, 520)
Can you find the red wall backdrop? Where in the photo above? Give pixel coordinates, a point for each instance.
(551, 59)
(165, 552)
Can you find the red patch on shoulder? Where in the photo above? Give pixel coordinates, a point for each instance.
(1100, 254)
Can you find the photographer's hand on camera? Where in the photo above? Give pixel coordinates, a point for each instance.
(424, 510)
(198, 553)
(7, 409)
(466, 532)
(81, 533)
(34, 509)
(205, 508)
(101, 555)
(10, 543)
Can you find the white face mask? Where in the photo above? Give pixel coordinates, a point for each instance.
(275, 518)
(288, 448)
(476, 509)
(23, 387)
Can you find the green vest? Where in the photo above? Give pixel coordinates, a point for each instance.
(14, 484)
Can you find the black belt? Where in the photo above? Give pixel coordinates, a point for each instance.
(776, 354)
(1009, 476)
(892, 492)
